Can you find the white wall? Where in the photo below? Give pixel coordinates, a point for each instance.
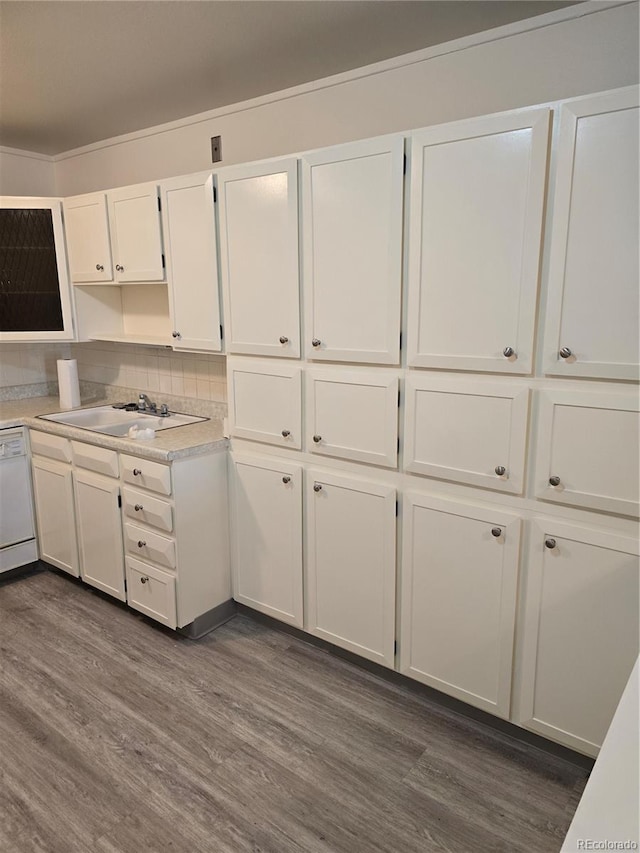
(25, 173)
(556, 60)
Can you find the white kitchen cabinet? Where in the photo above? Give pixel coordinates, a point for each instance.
(588, 449)
(189, 229)
(459, 582)
(475, 228)
(152, 592)
(353, 415)
(86, 222)
(581, 631)
(350, 563)
(36, 296)
(266, 525)
(352, 197)
(259, 257)
(468, 432)
(592, 311)
(265, 401)
(99, 532)
(136, 236)
(53, 495)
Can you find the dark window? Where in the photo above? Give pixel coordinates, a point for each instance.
(29, 286)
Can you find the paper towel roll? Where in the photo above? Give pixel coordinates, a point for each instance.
(68, 385)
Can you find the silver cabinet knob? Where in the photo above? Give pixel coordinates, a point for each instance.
(550, 543)
(286, 433)
(554, 481)
(176, 335)
(316, 342)
(138, 507)
(496, 531)
(144, 580)
(284, 339)
(286, 480)
(100, 267)
(565, 352)
(317, 487)
(141, 543)
(507, 352)
(317, 438)
(500, 470)
(137, 472)
(119, 267)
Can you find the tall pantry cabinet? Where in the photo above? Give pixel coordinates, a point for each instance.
(463, 508)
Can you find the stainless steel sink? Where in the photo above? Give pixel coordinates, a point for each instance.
(114, 421)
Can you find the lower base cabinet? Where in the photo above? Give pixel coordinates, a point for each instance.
(266, 536)
(99, 532)
(53, 496)
(458, 600)
(350, 564)
(152, 592)
(581, 631)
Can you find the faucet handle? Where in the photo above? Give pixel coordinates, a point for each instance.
(164, 410)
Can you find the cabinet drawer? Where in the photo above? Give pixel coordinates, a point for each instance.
(265, 402)
(51, 446)
(353, 415)
(144, 509)
(146, 474)
(97, 459)
(588, 450)
(152, 592)
(471, 433)
(150, 546)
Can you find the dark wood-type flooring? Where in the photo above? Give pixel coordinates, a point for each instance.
(119, 737)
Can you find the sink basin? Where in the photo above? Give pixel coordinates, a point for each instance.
(118, 422)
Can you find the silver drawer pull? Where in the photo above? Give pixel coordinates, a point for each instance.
(316, 342)
(565, 352)
(317, 438)
(284, 339)
(141, 543)
(286, 480)
(317, 487)
(500, 470)
(508, 352)
(138, 507)
(496, 531)
(100, 267)
(144, 580)
(550, 543)
(286, 433)
(554, 481)
(137, 472)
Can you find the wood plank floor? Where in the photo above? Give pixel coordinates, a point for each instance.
(119, 737)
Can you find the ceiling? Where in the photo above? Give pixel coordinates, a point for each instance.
(74, 72)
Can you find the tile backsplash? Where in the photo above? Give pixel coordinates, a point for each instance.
(30, 370)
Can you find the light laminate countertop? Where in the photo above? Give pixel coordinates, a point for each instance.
(174, 443)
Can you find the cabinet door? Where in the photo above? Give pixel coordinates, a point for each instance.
(192, 261)
(352, 248)
(588, 450)
(134, 217)
(468, 432)
(592, 312)
(152, 592)
(53, 493)
(86, 225)
(100, 532)
(581, 632)
(459, 582)
(353, 415)
(265, 401)
(259, 258)
(350, 564)
(477, 202)
(266, 525)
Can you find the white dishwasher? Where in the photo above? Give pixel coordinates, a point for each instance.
(17, 531)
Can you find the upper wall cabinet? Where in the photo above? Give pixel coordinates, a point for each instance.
(189, 228)
(35, 302)
(352, 247)
(259, 258)
(135, 233)
(86, 221)
(592, 325)
(115, 236)
(477, 203)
